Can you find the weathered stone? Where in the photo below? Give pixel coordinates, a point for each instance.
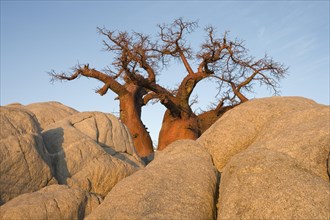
(180, 183)
(273, 156)
(24, 165)
(91, 150)
(52, 202)
(266, 184)
(47, 112)
(237, 129)
(303, 135)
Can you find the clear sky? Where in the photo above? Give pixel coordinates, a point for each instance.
(38, 36)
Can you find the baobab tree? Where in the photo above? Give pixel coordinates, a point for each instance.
(139, 58)
(130, 98)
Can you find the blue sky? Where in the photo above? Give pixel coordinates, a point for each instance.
(38, 36)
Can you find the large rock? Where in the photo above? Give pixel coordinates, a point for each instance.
(24, 165)
(180, 183)
(273, 155)
(47, 112)
(91, 150)
(52, 202)
(237, 129)
(265, 184)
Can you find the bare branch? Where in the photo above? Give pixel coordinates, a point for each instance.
(151, 96)
(174, 42)
(193, 100)
(228, 62)
(92, 73)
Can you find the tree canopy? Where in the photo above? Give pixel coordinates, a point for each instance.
(140, 58)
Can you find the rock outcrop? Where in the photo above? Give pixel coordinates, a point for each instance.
(24, 165)
(180, 183)
(51, 202)
(273, 155)
(47, 112)
(91, 150)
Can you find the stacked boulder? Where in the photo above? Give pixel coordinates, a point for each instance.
(60, 161)
(265, 159)
(25, 164)
(180, 183)
(273, 156)
(91, 150)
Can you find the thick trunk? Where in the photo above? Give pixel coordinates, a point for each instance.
(206, 119)
(130, 115)
(174, 128)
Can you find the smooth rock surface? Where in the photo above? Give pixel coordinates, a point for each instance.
(180, 183)
(237, 129)
(52, 202)
(24, 162)
(91, 150)
(266, 184)
(47, 112)
(273, 154)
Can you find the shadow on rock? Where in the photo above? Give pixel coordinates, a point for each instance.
(54, 139)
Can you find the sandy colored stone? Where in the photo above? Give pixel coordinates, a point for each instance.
(52, 202)
(24, 162)
(91, 150)
(302, 135)
(273, 154)
(47, 112)
(237, 129)
(266, 184)
(180, 183)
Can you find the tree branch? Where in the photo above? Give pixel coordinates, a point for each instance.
(92, 73)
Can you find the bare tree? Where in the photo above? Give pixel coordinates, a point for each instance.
(129, 94)
(139, 58)
(237, 73)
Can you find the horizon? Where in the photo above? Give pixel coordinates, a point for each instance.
(37, 37)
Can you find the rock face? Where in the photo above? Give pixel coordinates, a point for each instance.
(273, 155)
(263, 184)
(24, 165)
(179, 184)
(91, 150)
(51, 202)
(47, 112)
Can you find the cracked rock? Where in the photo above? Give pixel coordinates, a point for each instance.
(91, 150)
(24, 165)
(51, 202)
(47, 112)
(180, 183)
(273, 154)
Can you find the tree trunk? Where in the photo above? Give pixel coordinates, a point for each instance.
(130, 115)
(206, 119)
(174, 128)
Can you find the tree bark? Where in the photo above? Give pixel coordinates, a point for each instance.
(130, 114)
(130, 103)
(237, 92)
(208, 118)
(177, 128)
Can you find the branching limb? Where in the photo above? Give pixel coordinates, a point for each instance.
(151, 96)
(109, 82)
(174, 42)
(132, 49)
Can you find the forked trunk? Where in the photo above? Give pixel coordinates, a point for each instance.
(174, 128)
(130, 112)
